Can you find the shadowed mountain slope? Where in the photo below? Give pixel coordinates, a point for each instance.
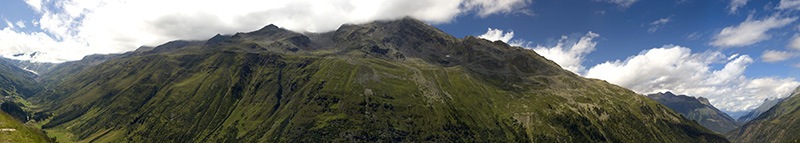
(698, 109)
(768, 103)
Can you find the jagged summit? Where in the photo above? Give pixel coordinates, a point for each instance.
(271, 28)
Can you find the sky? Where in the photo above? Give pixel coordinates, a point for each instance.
(736, 53)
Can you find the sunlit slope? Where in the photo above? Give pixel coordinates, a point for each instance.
(14, 131)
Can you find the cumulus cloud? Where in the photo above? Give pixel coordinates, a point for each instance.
(789, 4)
(497, 34)
(568, 52)
(35, 4)
(772, 56)
(795, 43)
(621, 3)
(656, 25)
(47, 48)
(750, 31)
(97, 26)
(677, 69)
(735, 5)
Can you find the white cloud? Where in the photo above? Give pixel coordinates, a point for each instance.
(98, 26)
(771, 56)
(9, 24)
(489, 7)
(658, 24)
(795, 43)
(20, 24)
(750, 31)
(497, 34)
(621, 3)
(661, 21)
(693, 36)
(36, 5)
(735, 5)
(789, 4)
(48, 49)
(677, 69)
(568, 53)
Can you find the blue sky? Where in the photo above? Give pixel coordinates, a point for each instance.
(734, 52)
(625, 30)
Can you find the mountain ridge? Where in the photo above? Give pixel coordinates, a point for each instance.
(400, 80)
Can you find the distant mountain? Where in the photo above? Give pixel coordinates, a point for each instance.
(781, 123)
(768, 103)
(15, 81)
(385, 81)
(698, 109)
(34, 67)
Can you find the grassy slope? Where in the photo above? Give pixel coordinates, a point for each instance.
(22, 134)
(305, 98)
(236, 94)
(778, 124)
(15, 84)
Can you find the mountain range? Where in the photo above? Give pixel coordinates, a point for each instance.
(385, 81)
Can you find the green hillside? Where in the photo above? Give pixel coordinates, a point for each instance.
(778, 124)
(14, 131)
(391, 81)
(15, 81)
(15, 84)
